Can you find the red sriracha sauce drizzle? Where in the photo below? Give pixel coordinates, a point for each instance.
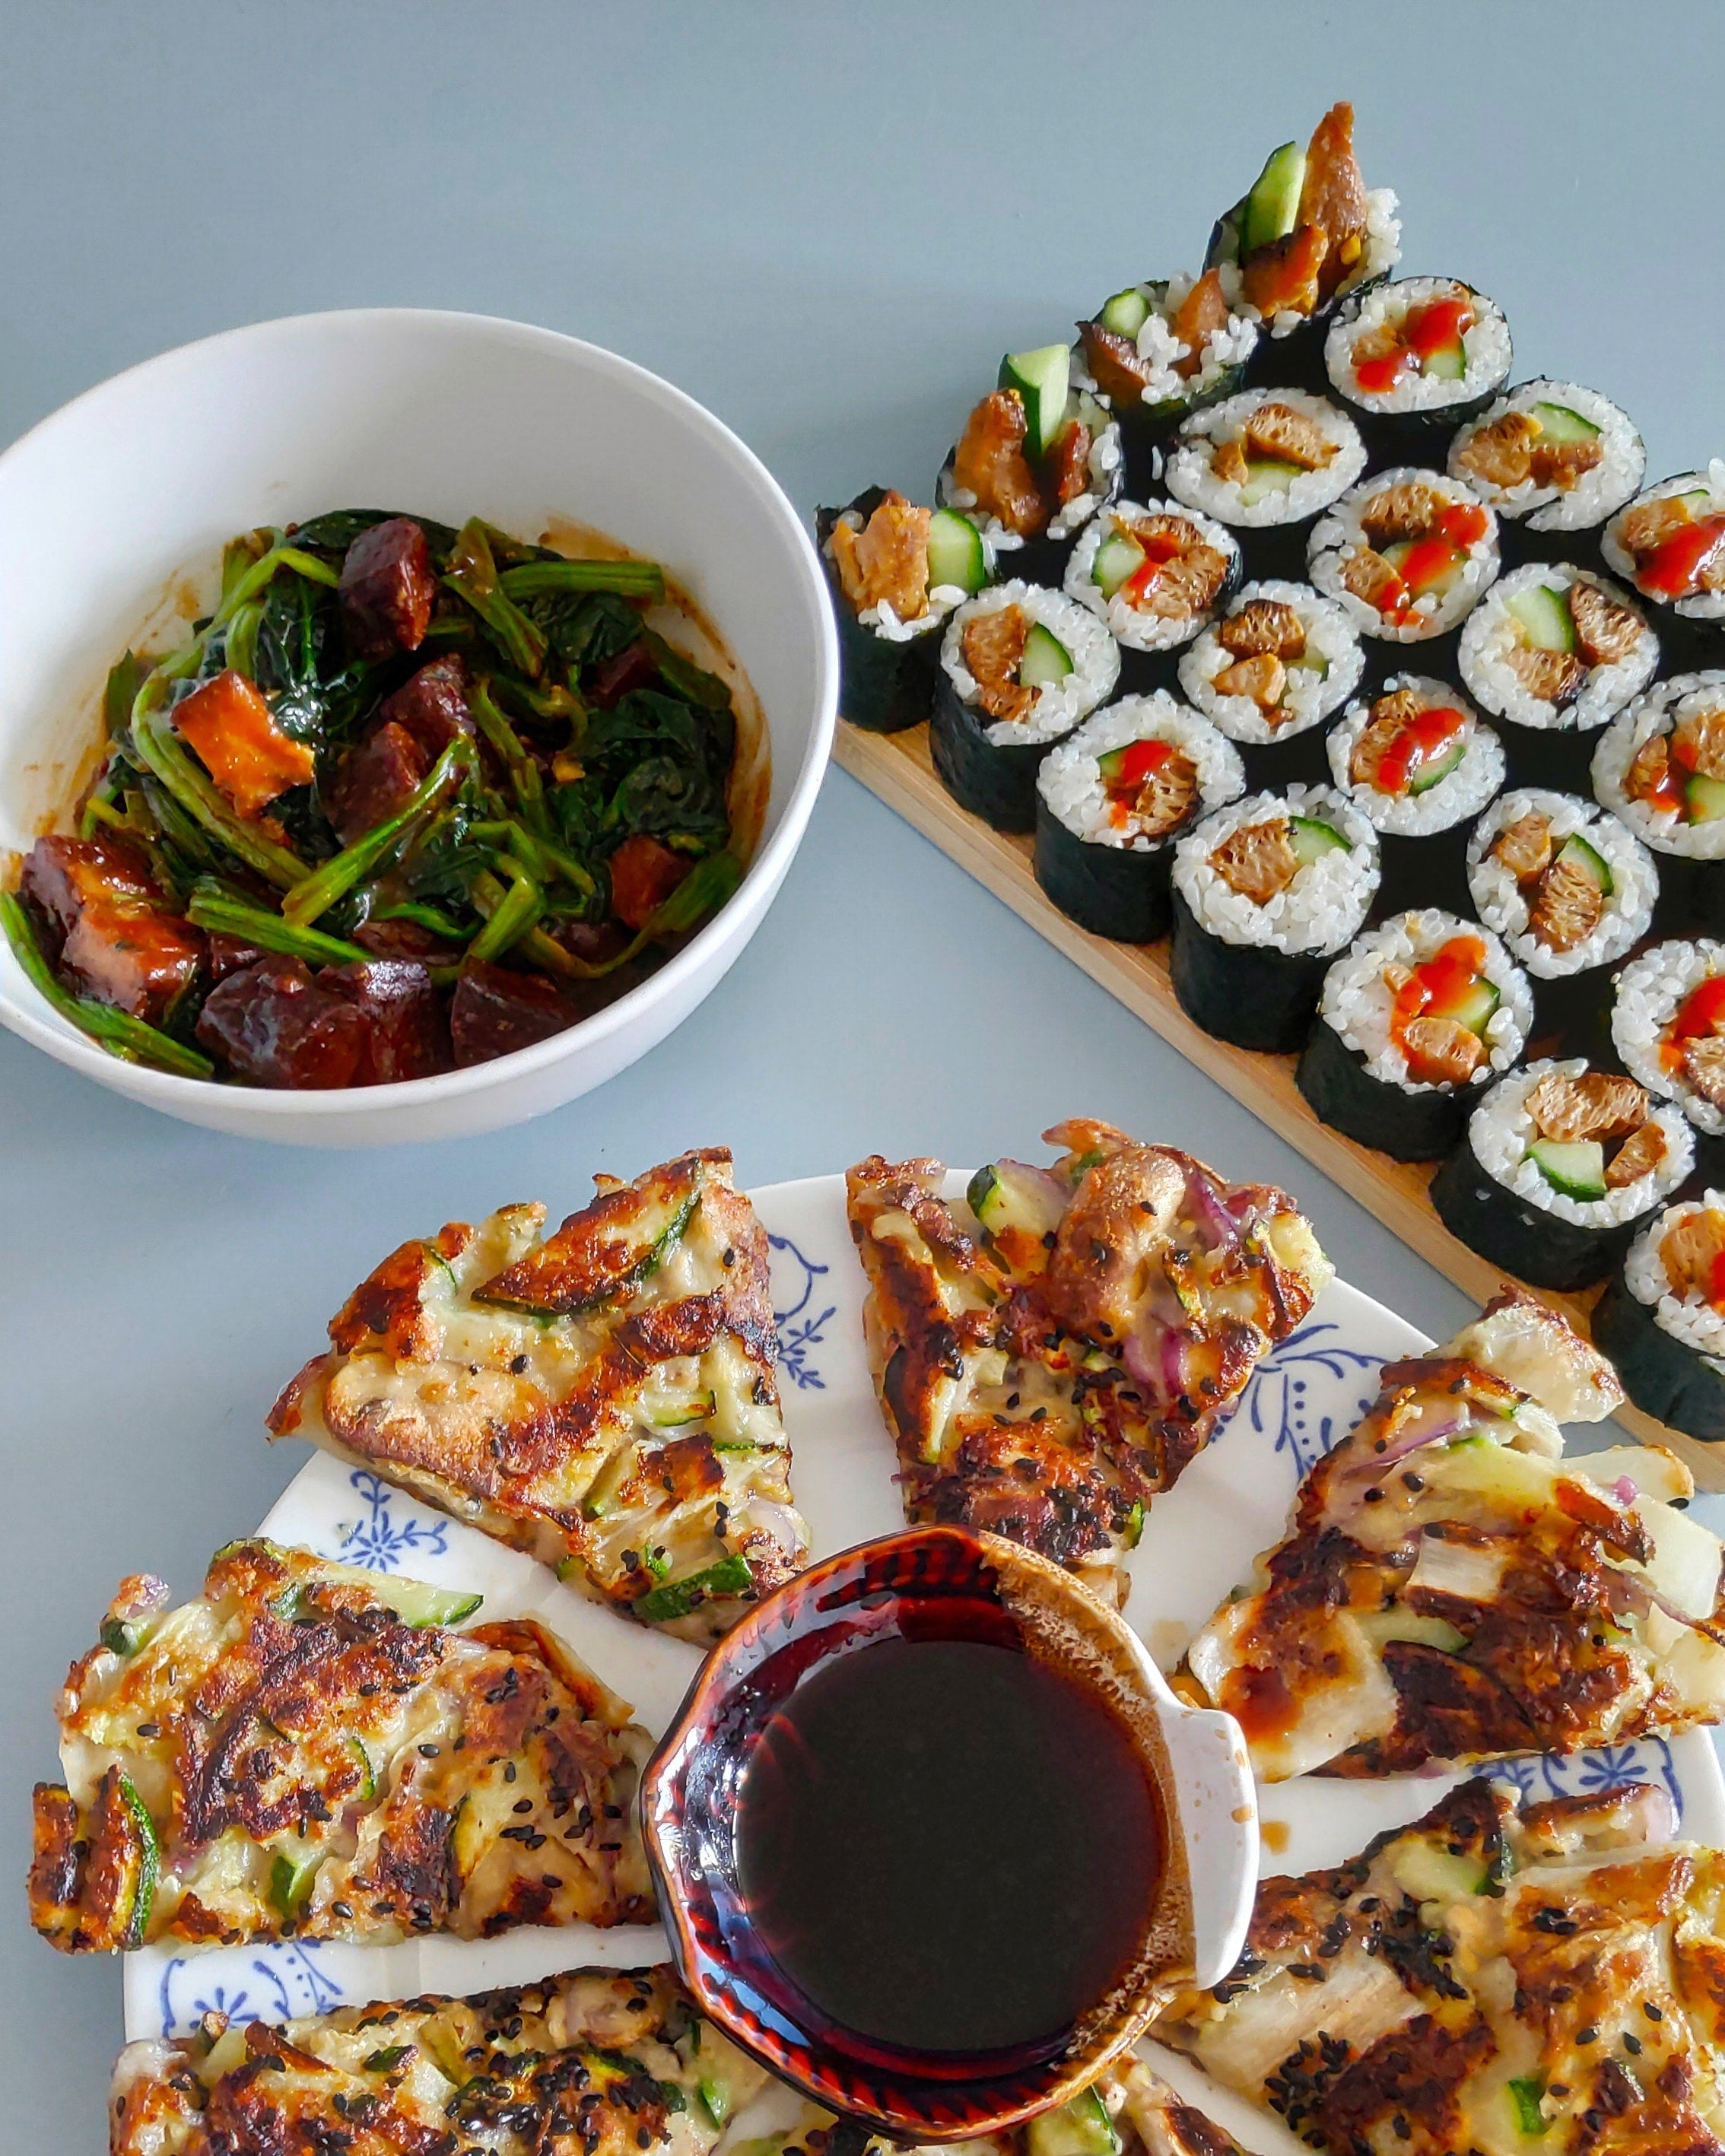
(1437, 327)
(1716, 1282)
(1431, 561)
(1156, 551)
(1674, 566)
(1422, 737)
(1435, 988)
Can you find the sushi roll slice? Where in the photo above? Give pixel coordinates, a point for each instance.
(1415, 1020)
(1266, 891)
(1306, 234)
(1159, 352)
(1554, 460)
(1554, 652)
(1560, 1165)
(1669, 544)
(1110, 801)
(1155, 573)
(895, 573)
(1660, 765)
(1277, 665)
(1267, 463)
(1420, 762)
(1662, 1319)
(1019, 667)
(1038, 456)
(1408, 554)
(1668, 1026)
(1567, 886)
(1415, 358)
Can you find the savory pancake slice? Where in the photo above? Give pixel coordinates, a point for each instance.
(1450, 1588)
(1051, 1354)
(602, 1398)
(610, 2063)
(1486, 1980)
(308, 1750)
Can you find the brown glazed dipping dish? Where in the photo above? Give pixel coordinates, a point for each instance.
(1197, 1815)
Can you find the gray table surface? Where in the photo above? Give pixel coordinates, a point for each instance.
(826, 222)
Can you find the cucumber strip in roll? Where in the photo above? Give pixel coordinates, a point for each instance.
(1555, 461)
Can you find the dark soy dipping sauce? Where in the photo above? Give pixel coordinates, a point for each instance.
(946, 1846)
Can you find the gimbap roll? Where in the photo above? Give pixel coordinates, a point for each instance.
(1662, 1319)
(1554, 460)
(1039, 455)
(1154, 572)
(1554, 652)
(1270, 672)
(1306, 234)
(1417, 760)
(1668, 1025)
(1416, 1019)
(1267, 463)
(1406, 552)
(1266, 891)
(1559, 1166)
(1161, 351)
(1110, 801)
(1416, 357)
(1567, 886)
(1021, 666)
(895, 573)
(1660, 765)
(1669, 544)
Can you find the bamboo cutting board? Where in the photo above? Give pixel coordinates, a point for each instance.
(896, 767)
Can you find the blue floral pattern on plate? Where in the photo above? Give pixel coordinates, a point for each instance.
(382, 1542)
(286, 1980)
(1281, 1393)
(800, 1329)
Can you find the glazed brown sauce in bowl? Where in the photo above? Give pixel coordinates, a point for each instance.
(948, 1848)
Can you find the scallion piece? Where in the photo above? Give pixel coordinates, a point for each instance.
(643, 580)
(515, 912)
(315, 894)
(217, 911)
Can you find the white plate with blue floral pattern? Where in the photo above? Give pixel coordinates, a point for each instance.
(1199, 1540)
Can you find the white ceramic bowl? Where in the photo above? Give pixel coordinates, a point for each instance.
(111, 502)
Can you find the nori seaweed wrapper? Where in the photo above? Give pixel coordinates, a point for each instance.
(1429, 870)
(1664, 1378)
(1558, 758)
(1111, 891)
(884, 686)
(1523, 1238)
(1519, 545)
(1342, 1092)
(1249, 994)
(1297, 759)
(997, 783)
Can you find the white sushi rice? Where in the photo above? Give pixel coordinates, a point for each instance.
(1378, 256)
(1700, 606)
(1059, 704)
(1453, 798)
(1691, 1318)
(1358, 1005)
(1139, 630)
(1657, 712)
(1162, 351)
(1325, 907)
(1312, 691)
(1189, 478)
(1485, 348)
(1071, 784)
(1651, 991)
(1105, 465)
(1337, 534)
(1596, 495)
(1498, 897)
(1500, 1132)
(1490, 634)
(881, 618)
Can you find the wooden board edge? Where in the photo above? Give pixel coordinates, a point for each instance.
(895, 769)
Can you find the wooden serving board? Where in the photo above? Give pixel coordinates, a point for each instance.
(896, 767)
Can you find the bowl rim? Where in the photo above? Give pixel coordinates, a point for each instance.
(165, 1088)
(662, 1810)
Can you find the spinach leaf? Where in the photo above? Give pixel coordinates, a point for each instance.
(653, 763)
(336, 531)
(318, 694)
(584, 628)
